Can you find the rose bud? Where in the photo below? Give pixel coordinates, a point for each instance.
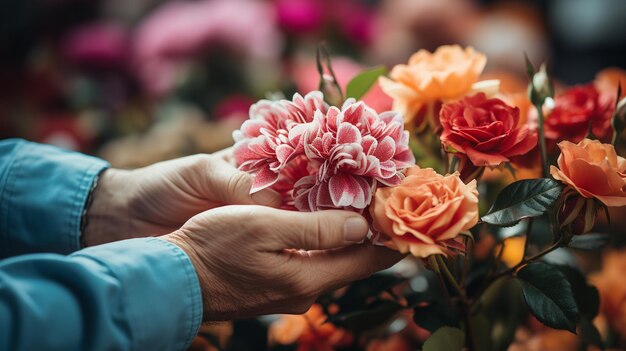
(541, 87)
(578, 214)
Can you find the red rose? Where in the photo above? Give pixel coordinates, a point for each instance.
(575, 111)
(486, 130)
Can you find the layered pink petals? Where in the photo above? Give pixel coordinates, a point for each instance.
(263, 143)
(340, 154)
(486, 130)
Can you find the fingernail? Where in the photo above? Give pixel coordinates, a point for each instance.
(266, 198)
(355, 229)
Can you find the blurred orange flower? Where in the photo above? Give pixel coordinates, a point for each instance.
(309, 331)
(608, 79)
(426, 212)
(611, 283)
(444, 75)
(393, 343)
(594, 170)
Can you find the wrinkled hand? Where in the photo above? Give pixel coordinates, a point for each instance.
(160, 198)
(245, 268)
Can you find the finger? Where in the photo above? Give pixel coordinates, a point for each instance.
(317, 230)
(226, 155)
(232, 186)
(332, 269)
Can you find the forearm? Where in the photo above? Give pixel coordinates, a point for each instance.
(140, 294)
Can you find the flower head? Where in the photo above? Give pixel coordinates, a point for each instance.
(576, 112)
(594, 170)
(355, 147)
(321, 157)
(426, 212)
(446, 74)
(486, 130)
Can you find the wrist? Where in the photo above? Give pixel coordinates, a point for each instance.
(178, 238)
(107, 217)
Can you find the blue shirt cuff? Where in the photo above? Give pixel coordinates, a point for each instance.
(43, 190)
(161, 290)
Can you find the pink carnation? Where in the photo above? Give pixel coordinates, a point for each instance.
(263, 144)
(322, 157)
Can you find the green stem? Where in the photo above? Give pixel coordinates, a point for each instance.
(528, 230)
(465, 304)
(524, 262)
(542, 142)
(453, 164)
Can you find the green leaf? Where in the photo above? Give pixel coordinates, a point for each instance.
(586, 296)
(363, 81)
(376, 314)
(523, 199)
(445, 339)
(481, 329)
(589, 242)
(549, 296)
(435, 315)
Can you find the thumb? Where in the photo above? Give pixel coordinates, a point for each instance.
(232, 186)
(319, 230)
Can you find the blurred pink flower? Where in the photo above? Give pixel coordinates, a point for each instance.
(97, 45)
(356, 148)
(355, 20)
(234, 107)
(306, 77)
(179, 30)
(268, 140)
(300, 16)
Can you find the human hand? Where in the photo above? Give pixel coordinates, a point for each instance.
(158, 199)
(246, 264)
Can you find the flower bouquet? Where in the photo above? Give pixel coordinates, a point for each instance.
(488, 192)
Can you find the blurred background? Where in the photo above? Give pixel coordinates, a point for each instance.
(140, 81)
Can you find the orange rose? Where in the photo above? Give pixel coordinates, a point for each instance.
(426, 212)
(594, 170)
(446, 74)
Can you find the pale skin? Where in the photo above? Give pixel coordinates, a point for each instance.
(250, 257)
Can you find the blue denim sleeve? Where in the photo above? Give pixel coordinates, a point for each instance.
(138, 294)
(43, 190)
